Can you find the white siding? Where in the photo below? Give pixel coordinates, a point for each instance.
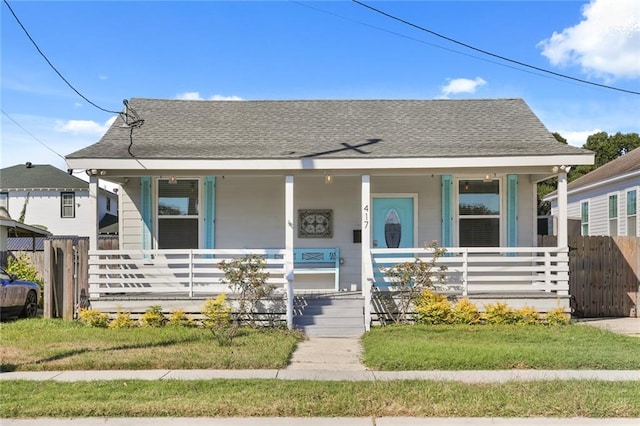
(598, 199)
(130, 219)
(250, 214)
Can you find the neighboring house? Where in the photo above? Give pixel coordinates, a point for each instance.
(12, 228)
(370, 178)
(605, 201)
(49, 197)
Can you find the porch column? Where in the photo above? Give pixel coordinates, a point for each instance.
(93, 207)
(365, 253)
(562, 210)
(288, 246)
(563, 233)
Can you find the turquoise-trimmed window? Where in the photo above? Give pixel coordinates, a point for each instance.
(479, 213)
(584, 218)
(178, 214)
(613, 215)
(632, 213)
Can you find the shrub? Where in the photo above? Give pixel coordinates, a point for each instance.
(412, 279)
(122, 320)
(153, 317)
(557, 316)
(247, 277)
(180, 319)
(526, 315)
(22, 268)
(498, 313)
(93, 318)
(465, 312)
(218, 319)
(433, 308)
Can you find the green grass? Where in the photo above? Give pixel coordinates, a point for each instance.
(460, 347)
(41, 344)
(226, 398)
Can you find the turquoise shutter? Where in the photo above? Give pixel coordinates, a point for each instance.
(209, 212)
(512, 210)
(447, 211)
(145, 211)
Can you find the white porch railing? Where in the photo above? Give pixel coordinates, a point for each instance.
(187, 273)
(478, 270)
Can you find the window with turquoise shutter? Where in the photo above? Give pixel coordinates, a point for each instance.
(447, 211)
(209, 212)
(512, 210)
(613, 215)
(479, 212)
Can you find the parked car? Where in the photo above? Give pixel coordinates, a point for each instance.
(17, 297)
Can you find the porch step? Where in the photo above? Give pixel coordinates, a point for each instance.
(331, 315)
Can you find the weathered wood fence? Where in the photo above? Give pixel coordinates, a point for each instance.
(604, 278)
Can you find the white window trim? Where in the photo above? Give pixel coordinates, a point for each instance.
(72, 205)
(503, 207)
(156, 216)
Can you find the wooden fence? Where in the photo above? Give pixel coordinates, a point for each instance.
(604, 278)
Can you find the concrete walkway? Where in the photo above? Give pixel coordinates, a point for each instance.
(328, 354)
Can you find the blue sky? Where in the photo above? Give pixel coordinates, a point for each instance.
(117, 50)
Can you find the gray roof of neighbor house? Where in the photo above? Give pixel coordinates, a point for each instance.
(177, 129)
(620, 166)
(38, 176)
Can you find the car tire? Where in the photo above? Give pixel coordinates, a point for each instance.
(30, 309)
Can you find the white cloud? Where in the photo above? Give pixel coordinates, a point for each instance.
(83, 126)
(462, 85)
(195, 96)
(577, 137)
(604, 43)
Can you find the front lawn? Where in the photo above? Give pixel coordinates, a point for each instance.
(493, 347)
(42, 344)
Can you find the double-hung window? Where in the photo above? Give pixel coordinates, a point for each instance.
(479, 213)
(613, 215)
(584, 218)
(178, 206)
(67, 205)
(632, 213)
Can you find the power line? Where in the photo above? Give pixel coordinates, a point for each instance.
(52, 66)
(485, 52)
(31, 134)
(426, 42)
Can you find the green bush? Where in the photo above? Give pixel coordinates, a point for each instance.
(433, 308)
(122, 320)
(498, 313)
(218, 319)
(465, 312)
(93, 318)
(178, 318)
(557, 316)
(526, 315)
(153, 317)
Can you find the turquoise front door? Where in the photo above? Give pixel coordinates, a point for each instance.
(392, 222)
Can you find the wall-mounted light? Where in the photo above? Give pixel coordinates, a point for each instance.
(103, 172)
(125, 181)
(328, 178)
(173, 180)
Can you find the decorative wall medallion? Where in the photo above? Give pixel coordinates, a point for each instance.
(315, 223)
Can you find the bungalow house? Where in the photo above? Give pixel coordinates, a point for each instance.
(60, 203)
(605, 201)
(329, 192)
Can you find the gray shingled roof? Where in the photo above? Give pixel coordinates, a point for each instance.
(38, 176)
(620, 166)
(176, 129)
